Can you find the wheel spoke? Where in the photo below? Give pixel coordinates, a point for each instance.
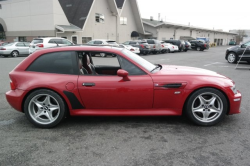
(39, 113)
(212, 101)
(198, 109)
(205, 115)
(38, 104)
(53, 108)
(202, 100)
(47, 100)
(49, 116)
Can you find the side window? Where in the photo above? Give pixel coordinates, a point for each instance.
(91, 42)
(126, 43)
(56, 62)
(20, 45)
(27, 44)
(151, 42)
(99, 18)
(247, 44)
(58, 41)
(67, 42)
(97, 42)
(52, 41)
(129, 67)
(132, 43)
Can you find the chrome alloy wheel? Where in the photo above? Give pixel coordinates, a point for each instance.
(231, 58)
(207, 107)
(14, 54)
(44, 109)
(103, 55)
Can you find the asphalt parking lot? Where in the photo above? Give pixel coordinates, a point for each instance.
(131, 141)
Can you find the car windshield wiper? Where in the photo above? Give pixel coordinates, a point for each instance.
(155, 68)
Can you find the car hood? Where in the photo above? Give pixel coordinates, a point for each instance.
(234, 47)
(184, 70)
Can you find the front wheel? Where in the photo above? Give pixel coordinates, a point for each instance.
(206, 107)
(14, 54)
(44, 108)
(231, 57)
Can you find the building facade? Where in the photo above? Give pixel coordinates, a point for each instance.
(83, 20)
(164, 31)
(78, 20)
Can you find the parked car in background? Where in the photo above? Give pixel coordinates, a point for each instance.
(179, 43)
(135, 50)
(142, 45)
(165, 48)
(232, 43)
(233, 54)
(155, 45)
(103, 42)
(172, 48)
(187, 46)
(198, 45)
(41, 43)
(15, 49)
(50, 85)
(3, 44)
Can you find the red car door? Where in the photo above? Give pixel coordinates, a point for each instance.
(112, 92)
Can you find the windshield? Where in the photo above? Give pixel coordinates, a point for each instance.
(145, 64)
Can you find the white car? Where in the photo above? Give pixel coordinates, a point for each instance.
(40, 43)
(171, 48)
(135, 50)
(103, 42)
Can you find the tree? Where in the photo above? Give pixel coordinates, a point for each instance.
(239, 37)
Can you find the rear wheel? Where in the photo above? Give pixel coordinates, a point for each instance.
(231, 57)
(44, 108)
(206, 107)
(14, 54)
(198, 48)
(144, 52)
(168, 50)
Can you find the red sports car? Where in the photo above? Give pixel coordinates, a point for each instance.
(55, 82)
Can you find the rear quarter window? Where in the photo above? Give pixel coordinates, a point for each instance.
(150, 41)
(36, 41)
(56, 62)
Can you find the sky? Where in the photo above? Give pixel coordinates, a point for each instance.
(217, 14)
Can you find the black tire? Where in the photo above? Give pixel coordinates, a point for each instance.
(195, 109)
(185, 50)
(45, 112)
(5, 56)
(202, 49)
(154, 52)
(248, 61)
(113, 55)
(168, 50)
(145, 53)
(14, 54)
(232, 57)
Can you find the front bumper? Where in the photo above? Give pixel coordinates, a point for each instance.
(235, 101)
(15, 98)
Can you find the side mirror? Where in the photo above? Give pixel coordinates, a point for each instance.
(124, 74)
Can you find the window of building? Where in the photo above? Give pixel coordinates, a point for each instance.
(123, 20)
(22, 39)
(56, 62)
(2, 35)
(86, 39)
(99, 18)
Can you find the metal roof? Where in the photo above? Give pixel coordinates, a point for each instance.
(68, 28)
(155, 23)
(76, 11)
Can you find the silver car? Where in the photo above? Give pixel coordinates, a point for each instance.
(155, 45)
(15, 49)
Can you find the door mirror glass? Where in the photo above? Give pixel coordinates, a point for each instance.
(124, 74)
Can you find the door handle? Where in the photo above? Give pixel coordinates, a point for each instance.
(88, 84)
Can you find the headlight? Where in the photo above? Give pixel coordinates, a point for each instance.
(233, 88)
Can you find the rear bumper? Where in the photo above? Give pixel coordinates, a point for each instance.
(5, 52)
(15, 98)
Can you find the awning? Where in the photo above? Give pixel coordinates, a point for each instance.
(134, 34)
(68, 28)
